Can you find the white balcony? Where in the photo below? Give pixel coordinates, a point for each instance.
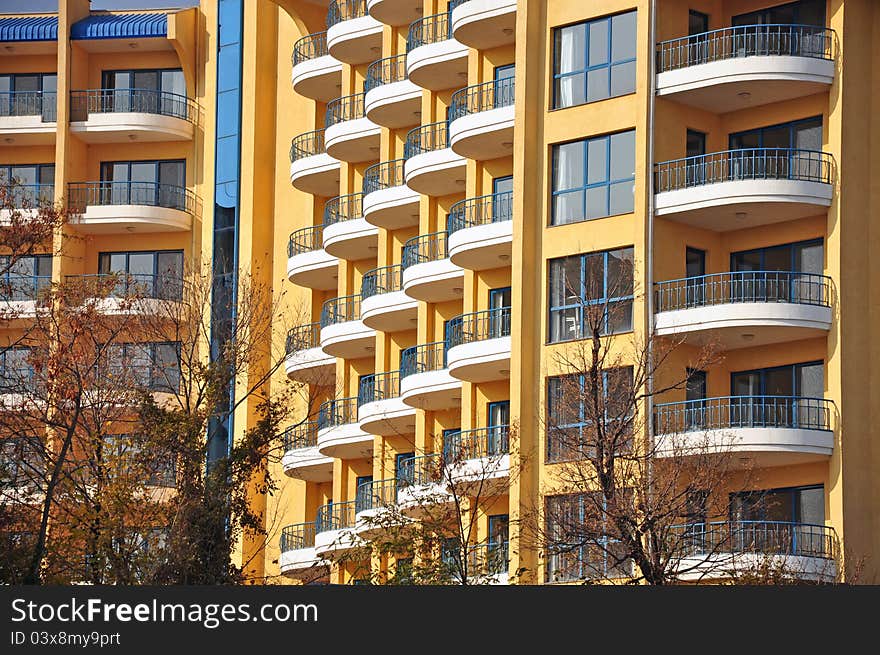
(395, 12)
(480, 361)
(314, 73)
(28, 119)
(306, 361)
(127, 207)
(432, 168)
(481, 120)
(353, 36)
(434, 60)
(298, 559)
(380, 408)
(391, 100)
(384, 305)
(132, 115)
(346, 234)
(349, 135)
(387, 201)
(302, 459)
(484, 24)
(308, 264)
(339, 434)
(428, 274)
(343, 333)
(481, 232)
(311, 169)
(425, 382)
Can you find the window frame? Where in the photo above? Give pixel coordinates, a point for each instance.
(156, 383)
(760, 130)
(762, 375)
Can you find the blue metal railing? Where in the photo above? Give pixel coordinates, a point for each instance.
(482, 97)
(28, 103)
(478, 326)
(297, 536)
(424, 248)
(420, 470)
(423, 358)
(309, 47)
(307, 145)
(335, 516)
(765, 537)
(304, 435)
(343, 208)
(306, 239)
(23, 287)
(744, 164)
(743, 286)
(346, 108)
(27, 196)
(132, 285)
(385, 279)
(339, 411)
(385, 71)
(152, 194)
(383, 175)
(340, 10)
(303, 337)
(426, 138)
(378, 386)
(375, 494)
(746, 41)
(143, 101)
(478, 443)
(428, 30)
(487, 558)
(471, 212)
(726, 412)
(341, 310)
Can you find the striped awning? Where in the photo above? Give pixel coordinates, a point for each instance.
(29, 28)
(120, 26)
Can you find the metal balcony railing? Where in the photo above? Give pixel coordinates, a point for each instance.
(420, 470)
(385, 71)
(306, 239)
(732, 412)
(151, 194)
(743, 286)
(305, 145)
(423, 358)
(297, 537)
(384, 175)
(343, 208)
(341, 310)
(378, 386)
(744, 164)
(428, 30)
(29, 103)
(746, 41)
(482, 97)
(424, 248)
(27, 196)
(18, 379)
(765, 537)
(478, 326)
(142, 101)
(376, 494)
(335, 516)
(297, 437)
(309, 47)
(483, 210)
(336, 412)
(303, 337)
(346, 108)
(340, 10)
(426, 138)
(22, 287)
(132, 285)
(385, 279)
(488, 558)
(492, 441)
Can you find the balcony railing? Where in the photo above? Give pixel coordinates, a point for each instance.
(764, 537)
(424, 248)
(343, 208)
(732, 412)
(489, 558)
(297, 536)
(385, 279)
(376, 494)
(426, 138)
(378, 386)
(479, 443)
(335, 516)
(420, 470)
(28, 103)
(384, 175)
(481, 97)
(132, 285)
(305, 145)
(142, 101)
(27, 196)
(22, 287)
(341, 310)
(385, 71)
(340, 10)
(151, 194)
(478, 326)
(744, 164)
(297, 437)
(336, 412)
(306, 239)
(743, 286)
(309, 47)
(427, 30)
(492, 208)
(423, 358)
(347, 108)
(303, 337)
(745, 41)
(19, 379)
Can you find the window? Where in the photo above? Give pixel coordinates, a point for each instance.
(594, 60)
(15, 369)
(149, 91)
(153, 366)
(29, 184)
(807, 257)
(805, 134)
(594, 178)
(31, 94)
(25, 277)
(791, 505)
(155, 183)
(570, 419)
(21, 463)
(126, 451)
(805, 12)
(591, 292)
(782, 396)
(156, 274)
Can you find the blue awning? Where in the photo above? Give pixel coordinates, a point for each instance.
(29, 28)
(120, 26)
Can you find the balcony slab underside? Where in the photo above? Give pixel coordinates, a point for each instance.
(355, 41)
(334, 543)
(485, 24)
(302, 563)
(353, 239)
(132, 126)
(311, 365)
(394, 105)
(482, 247)
(348, 339)
(26, 131)
(319, 78)
(436, 173)
(124, 219)
(431, 390)
(346, 441)
(387, 417)
(390, 312)
(307, 464)
(418, 500)
(483, 135)
(315, 269)
(719, 566)
(318, 175)
(435, 282)
(392, 208)
(395, 12)
(354, 140)
(480, 361)
(438, 66)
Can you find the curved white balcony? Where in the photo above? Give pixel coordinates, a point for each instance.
(298, 559)
(422, 489)
(306, 361)
(376, 507)
(478, 460)
(308, 264)
(348, 134)
(28, 119)
(19, 298)
(334, 531)
(353, 36)
(481, 120)
(390, 99)
(339, 434)
(117, 294)
(484, 24)
(738, 189)
(745, 308)
(128, 115)
(127, 207)
(314, 73)
(428, 274)
(346, 234)
(478, 348)
(425, 382)
(395, 12)
(745, 66)
(380, 408)
(481, 232)
(311, 169)
(387, 201)
(384, 305)
(343, 334)
(301, 459)
(432, 167)
(763, 431)
(434, 60)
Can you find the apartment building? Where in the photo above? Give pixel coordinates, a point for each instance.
(441, 188)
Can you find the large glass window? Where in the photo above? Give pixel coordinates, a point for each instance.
(149, 91)
(803, 134)
(804, 12)
(124, 451)
(157, 183)
(791, 505)
(594, 178)
(15, 369)
(805, 257)
(30, 184)
(156, 274)
(25, 277)
(30, 94)
(591, 291)
(594, 60)
(154, 366)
